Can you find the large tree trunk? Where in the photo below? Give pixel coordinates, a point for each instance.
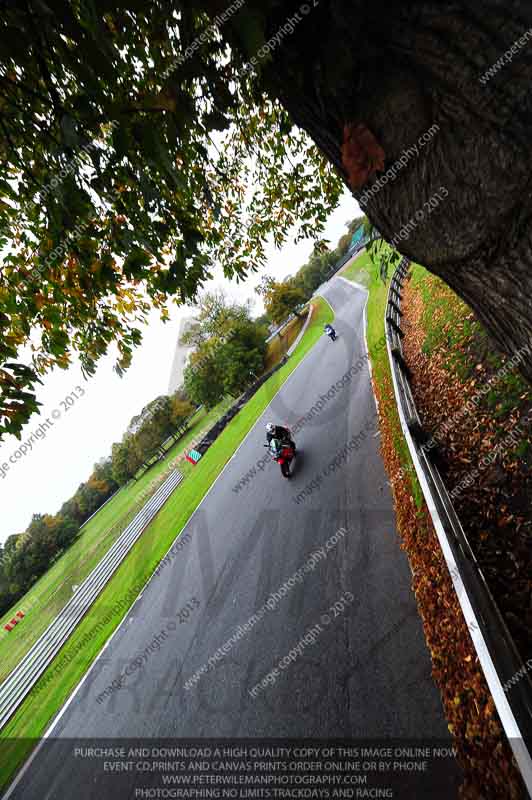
(397, 69)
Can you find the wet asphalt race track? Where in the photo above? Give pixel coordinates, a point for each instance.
(364, 671)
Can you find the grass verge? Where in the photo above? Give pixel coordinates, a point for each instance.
(33, 717)
(53, 590)
(359, 270)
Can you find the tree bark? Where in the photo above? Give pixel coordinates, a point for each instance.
(397, 69)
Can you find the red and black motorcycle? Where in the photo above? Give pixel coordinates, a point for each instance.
(283, 453)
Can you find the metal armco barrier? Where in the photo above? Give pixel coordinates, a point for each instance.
(497, 653)
(26, 674)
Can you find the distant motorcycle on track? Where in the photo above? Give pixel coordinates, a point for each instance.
(331, 333)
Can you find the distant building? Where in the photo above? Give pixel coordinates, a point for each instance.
(181, 356)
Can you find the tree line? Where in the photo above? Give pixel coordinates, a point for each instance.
(229, 354)
(26, 556)
(282, 298)
(230, 346)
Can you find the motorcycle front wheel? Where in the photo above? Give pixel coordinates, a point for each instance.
(285, 470)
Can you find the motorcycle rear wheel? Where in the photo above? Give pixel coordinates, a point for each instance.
(285, 470)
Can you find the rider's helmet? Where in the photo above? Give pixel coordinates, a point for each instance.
(270, 427)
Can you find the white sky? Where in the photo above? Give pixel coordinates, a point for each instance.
(50, 473)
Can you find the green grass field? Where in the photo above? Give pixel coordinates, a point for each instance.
(364, 272)
(52, 591)
(360, 270)
(39, 708)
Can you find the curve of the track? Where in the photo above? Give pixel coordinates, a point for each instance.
(368, 672)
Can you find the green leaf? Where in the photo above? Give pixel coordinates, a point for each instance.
(216, 121)
(136, 262)
(69, 129)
